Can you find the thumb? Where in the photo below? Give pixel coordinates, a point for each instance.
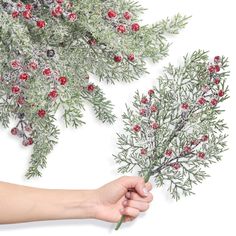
(136, 183)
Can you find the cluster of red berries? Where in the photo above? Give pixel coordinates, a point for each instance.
(146, 109)
(24, 75)
(53, 94)
(21, 129)
(215, 67)
(25, 11)
(213, 100)
(119, 57)
(123, 25)
(119, 23)
(187, 149)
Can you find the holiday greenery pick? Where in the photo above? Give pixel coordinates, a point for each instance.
(49, 47)
(174, 130)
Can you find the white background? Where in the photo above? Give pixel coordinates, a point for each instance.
(83, 157)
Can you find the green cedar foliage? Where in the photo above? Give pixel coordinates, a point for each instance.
(47, 51)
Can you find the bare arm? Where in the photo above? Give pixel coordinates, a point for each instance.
(22, 204)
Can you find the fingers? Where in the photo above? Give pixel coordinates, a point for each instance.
(136, 197)
(129, 218)
(140, 206)
(148, 186)
(137, 183)
(130, 212)
(132, 209)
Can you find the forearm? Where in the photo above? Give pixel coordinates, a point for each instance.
(20, 204)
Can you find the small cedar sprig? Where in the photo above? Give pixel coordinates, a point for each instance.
(174, 131)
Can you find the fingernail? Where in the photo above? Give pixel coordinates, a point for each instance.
(145, 191)
(128, 194)
(122, 210)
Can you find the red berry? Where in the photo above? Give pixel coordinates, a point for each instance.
(58, 10)
(127, 15)
(47, 71)
(33, 65)
(217, 80)
(28, 6)
(121, 28)
(92, 42)
(136, 128)
(30, 141)
(142, 112)
(143, 151)
(41, 113)
(153, 108)
(53, 94)
(72, 16)
(117, 58)
(135, 27)
(63, 80)
(15, 14)
(211, 69)
(41, 23)
(144, 100)
(168, 153)
(184, 106)
(214, 102)
(131, 57)
(15, 89)
(25, 142)
(187, 149)
(27, 14)
(217, 59)
(195, 142)
(90, 87)
(175, 165)
(150, 92)
(155, 125)
(217, 68)
(14, 131)
(53, 13)
(201, 155)
(60, 1)
(201, 101)
(204, 138)
(221, 93)
(24, 76)
(15, 64)
(19, 4)
(111, 13)
(21, 100)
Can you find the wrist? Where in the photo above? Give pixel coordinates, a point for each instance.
(82, 204)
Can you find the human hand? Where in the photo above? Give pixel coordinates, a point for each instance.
(125, 196)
